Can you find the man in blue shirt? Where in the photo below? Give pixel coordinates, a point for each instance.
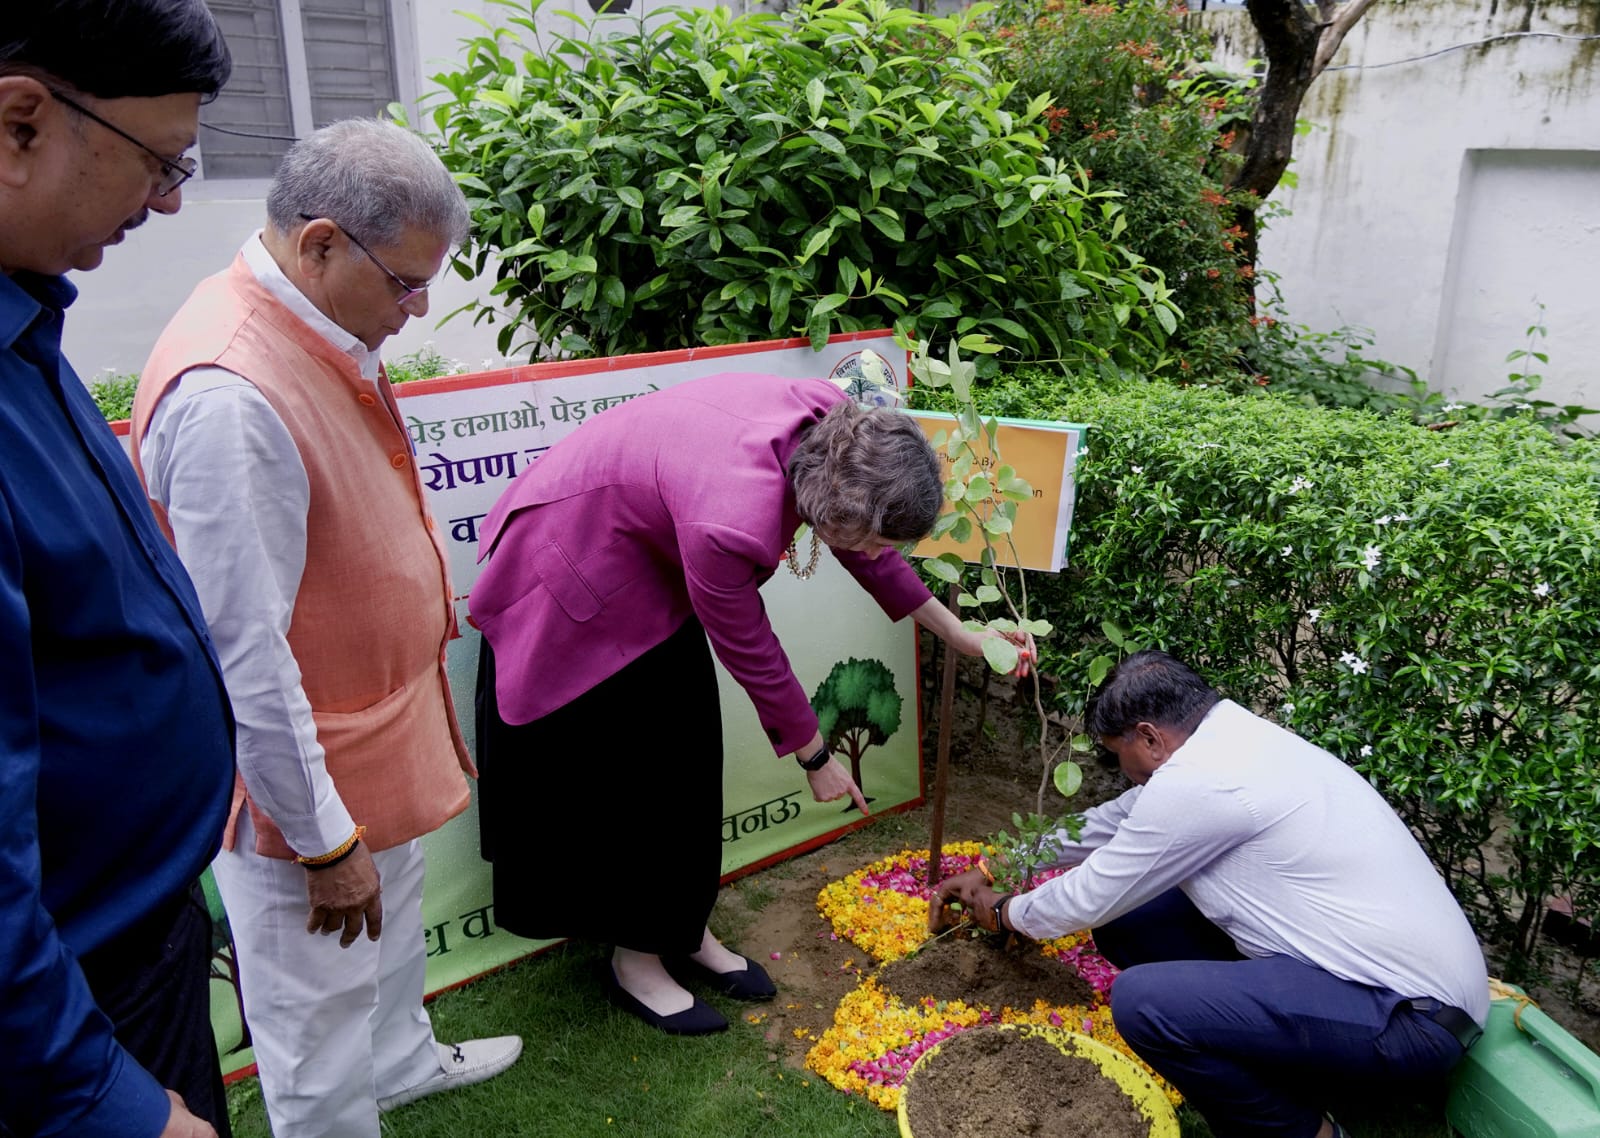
(116, 741)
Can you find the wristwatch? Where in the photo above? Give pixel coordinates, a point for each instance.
(816, 762)
(999, 908)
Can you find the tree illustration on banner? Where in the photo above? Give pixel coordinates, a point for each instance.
(857, 707)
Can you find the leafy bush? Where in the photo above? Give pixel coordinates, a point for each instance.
(712, 179)
(113, 394)
(1135, 105)
(1422, 603)
(427, 362)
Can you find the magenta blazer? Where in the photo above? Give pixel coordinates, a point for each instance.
(673, 503)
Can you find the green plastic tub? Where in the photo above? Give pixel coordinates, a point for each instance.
(1527, 1081)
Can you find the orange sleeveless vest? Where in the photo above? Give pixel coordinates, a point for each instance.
(374, 608)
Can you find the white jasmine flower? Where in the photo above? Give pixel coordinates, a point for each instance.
(1288, 709)
(1371, 556)
(1542, 589)
(1137, 469)
(1366, 751)
(1348, 658)
(1300, 483)
(1359, 667)
(1209, 446)
(1449, 408)
(1524, 406)
(1445, 465)
(1383, 521)
(1314, 615)
(1402, 517)
(487, 365)
(1288, 549)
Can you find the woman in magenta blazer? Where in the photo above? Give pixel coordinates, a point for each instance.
(613, 560)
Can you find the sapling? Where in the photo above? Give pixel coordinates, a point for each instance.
(983, 492)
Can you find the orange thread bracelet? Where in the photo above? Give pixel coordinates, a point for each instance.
(334, 855)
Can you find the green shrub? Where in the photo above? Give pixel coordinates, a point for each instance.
(715, 179)
(1422, 603)
(1134, 103)
(113, 394)
(427, 362)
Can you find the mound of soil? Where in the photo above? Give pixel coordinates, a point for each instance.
(981, 970)
(982, 1083)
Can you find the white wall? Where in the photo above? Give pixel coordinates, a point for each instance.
(124, 304)
(1439, 199)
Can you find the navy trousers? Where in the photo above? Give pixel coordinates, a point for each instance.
(1256, 1046)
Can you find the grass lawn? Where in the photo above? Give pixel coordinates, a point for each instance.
(590, 1071)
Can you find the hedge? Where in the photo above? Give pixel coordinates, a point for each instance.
(1423, 603)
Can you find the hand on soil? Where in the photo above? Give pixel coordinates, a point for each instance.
(970, 888)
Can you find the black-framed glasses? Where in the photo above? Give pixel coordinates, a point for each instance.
(174, 171)
(407, 291)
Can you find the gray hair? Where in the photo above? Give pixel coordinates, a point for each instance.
(863, 473)
(377, 180)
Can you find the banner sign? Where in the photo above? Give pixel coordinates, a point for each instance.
(1044, 453)
(472, 435)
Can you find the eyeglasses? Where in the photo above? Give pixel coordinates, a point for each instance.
(174, 171)
(406, 291)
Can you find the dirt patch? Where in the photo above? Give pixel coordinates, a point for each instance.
(994, 772)
(982, 970)
(985, 1082)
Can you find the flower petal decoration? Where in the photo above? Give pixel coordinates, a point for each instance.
(875, 1038)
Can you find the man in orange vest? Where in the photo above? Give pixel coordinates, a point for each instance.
(274, 455)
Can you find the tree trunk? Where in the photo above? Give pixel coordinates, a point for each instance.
(1299, 42)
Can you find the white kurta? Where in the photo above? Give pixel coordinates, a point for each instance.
(334, 1029)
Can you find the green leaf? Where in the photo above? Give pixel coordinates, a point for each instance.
(816, 91)
(888, 225)
(942, 569)
(1099, 668)
(1068, 777)
(1001, 654)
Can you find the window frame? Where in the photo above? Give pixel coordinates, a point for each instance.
(407, 80)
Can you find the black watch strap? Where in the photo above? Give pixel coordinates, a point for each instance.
(1000, 911)
(816, 762)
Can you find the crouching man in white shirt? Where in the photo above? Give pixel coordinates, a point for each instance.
(1282, 933)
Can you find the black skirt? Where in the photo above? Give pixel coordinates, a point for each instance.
(603, 819)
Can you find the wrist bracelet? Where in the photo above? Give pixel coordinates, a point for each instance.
(329, 864)
(337, 854)
(816, 762)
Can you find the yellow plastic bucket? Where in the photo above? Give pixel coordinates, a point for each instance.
(1150, 1099)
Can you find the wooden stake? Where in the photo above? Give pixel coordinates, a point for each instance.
(941, 770)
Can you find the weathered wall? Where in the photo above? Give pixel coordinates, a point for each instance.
(1441, 200)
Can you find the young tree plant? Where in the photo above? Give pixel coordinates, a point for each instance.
(984, 492)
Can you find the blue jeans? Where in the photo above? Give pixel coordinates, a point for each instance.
(1256, 1045)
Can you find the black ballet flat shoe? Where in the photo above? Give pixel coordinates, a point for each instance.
(750, 983)
(698, 1019)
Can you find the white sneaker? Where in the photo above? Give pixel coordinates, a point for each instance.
(461, 1065)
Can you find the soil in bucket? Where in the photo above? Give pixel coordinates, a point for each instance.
(980, 971)
(985, 1084)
